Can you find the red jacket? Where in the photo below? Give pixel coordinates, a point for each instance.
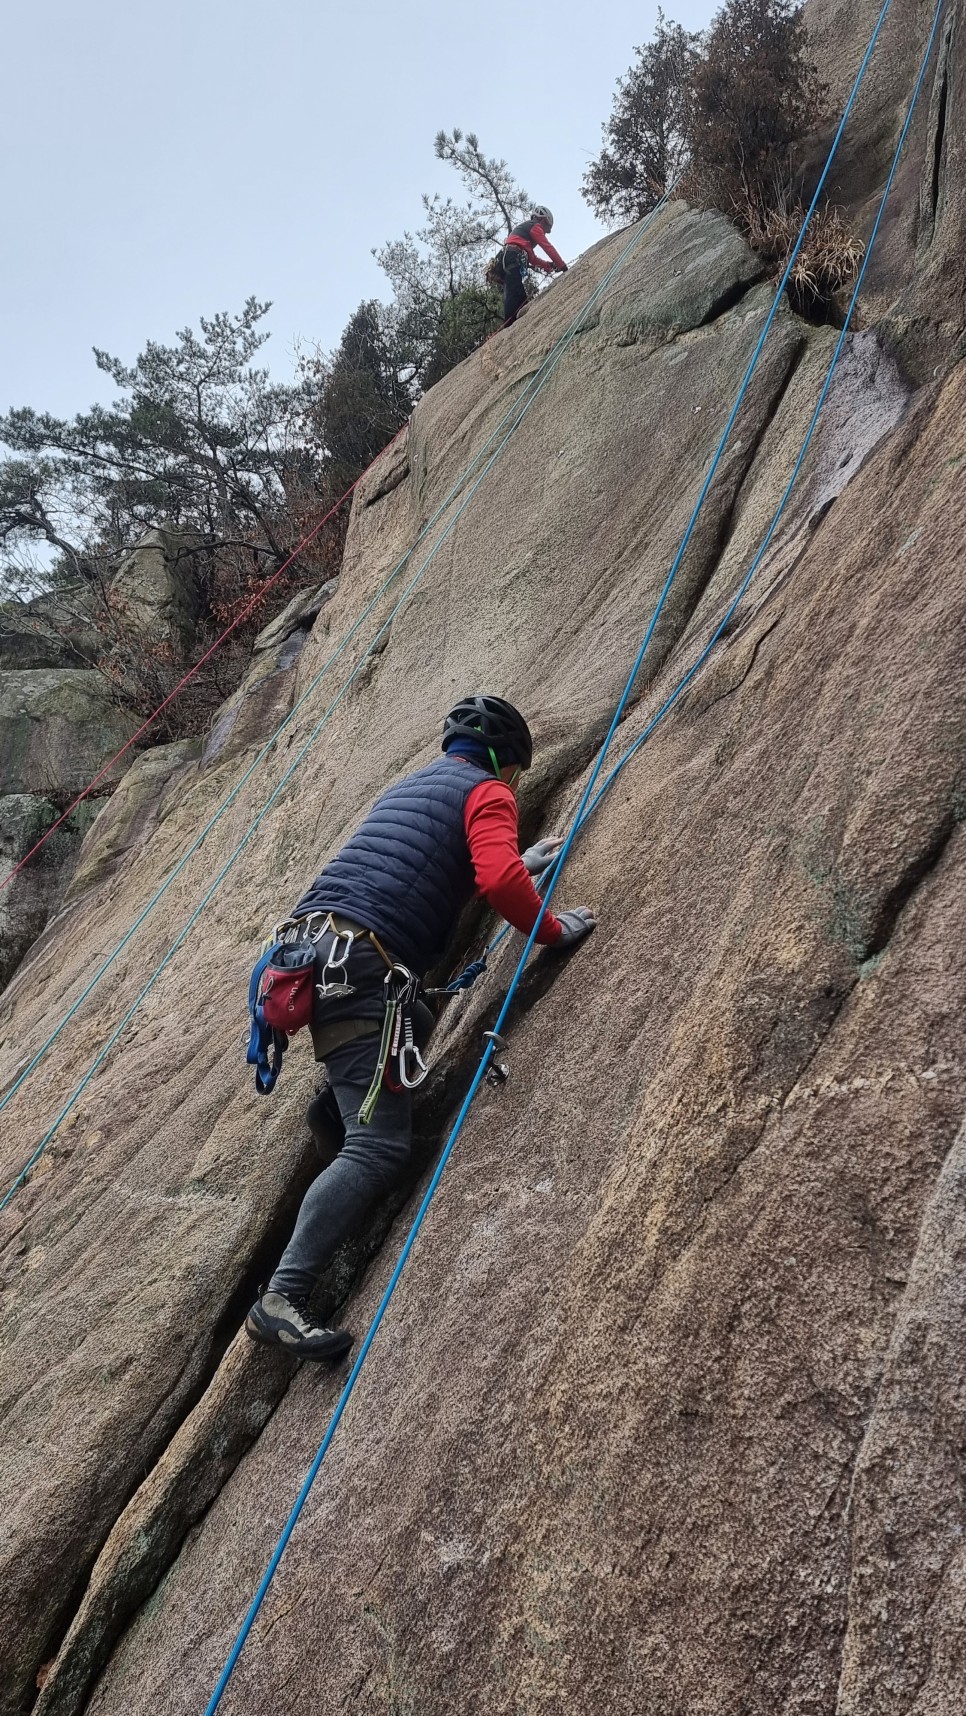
(529, 233)
(492, 831)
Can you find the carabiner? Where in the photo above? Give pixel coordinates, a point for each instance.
(336, 961)
(498, 1071)
(409, 1048)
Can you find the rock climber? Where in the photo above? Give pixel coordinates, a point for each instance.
(519, 255)
(394, 893)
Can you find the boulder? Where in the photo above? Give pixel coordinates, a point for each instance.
(157, 588)
(128, 819)
(27, 901)
(706, 268)
(299, 615)
(57, 729)
(53, 630)
(264, 697)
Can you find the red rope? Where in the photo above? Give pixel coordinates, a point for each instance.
(258, 597)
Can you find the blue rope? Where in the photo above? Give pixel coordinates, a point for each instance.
(487, 1055)
(517, 413)
(702, 658)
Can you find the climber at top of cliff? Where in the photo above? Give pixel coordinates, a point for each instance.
(393, 894)
(519, 255)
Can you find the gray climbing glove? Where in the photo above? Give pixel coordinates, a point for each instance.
(576, 925)
(538, 856)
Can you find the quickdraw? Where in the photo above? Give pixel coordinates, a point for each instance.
(397, 1043)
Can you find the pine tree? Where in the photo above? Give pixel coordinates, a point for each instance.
(645, 146)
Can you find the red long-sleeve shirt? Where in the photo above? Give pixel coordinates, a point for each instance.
(538, 236)
(492, 831)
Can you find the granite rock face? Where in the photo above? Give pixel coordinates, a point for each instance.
(264, 696)
(915, 289)
(666, 1417)
(157, 587)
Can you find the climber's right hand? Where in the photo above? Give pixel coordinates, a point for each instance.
(576, 926)
(541, 854)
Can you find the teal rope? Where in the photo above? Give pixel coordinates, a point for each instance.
(477, 1080)
(517, 413)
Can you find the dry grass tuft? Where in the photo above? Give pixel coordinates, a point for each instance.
(828, 262)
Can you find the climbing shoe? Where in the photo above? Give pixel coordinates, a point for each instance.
(288, 1323)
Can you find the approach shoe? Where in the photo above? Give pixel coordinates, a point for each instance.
(280, 1322)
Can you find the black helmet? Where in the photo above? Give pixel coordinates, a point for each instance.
(491, 722)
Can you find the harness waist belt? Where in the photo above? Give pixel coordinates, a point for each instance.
(325, 1038)
(338, 925)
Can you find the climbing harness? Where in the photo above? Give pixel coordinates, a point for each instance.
(284, 981)
(494, 1043)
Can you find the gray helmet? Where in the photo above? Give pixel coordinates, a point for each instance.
(543, 215)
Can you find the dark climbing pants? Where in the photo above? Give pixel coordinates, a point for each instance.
(372, 1162)
(514, 282)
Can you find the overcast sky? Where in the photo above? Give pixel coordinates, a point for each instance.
(163, 161)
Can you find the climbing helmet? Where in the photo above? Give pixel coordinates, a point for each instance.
(492, 722)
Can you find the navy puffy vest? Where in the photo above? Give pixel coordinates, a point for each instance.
(406, 874)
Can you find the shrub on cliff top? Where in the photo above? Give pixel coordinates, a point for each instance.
(728, 112)
(728, 108)
(754, 97)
